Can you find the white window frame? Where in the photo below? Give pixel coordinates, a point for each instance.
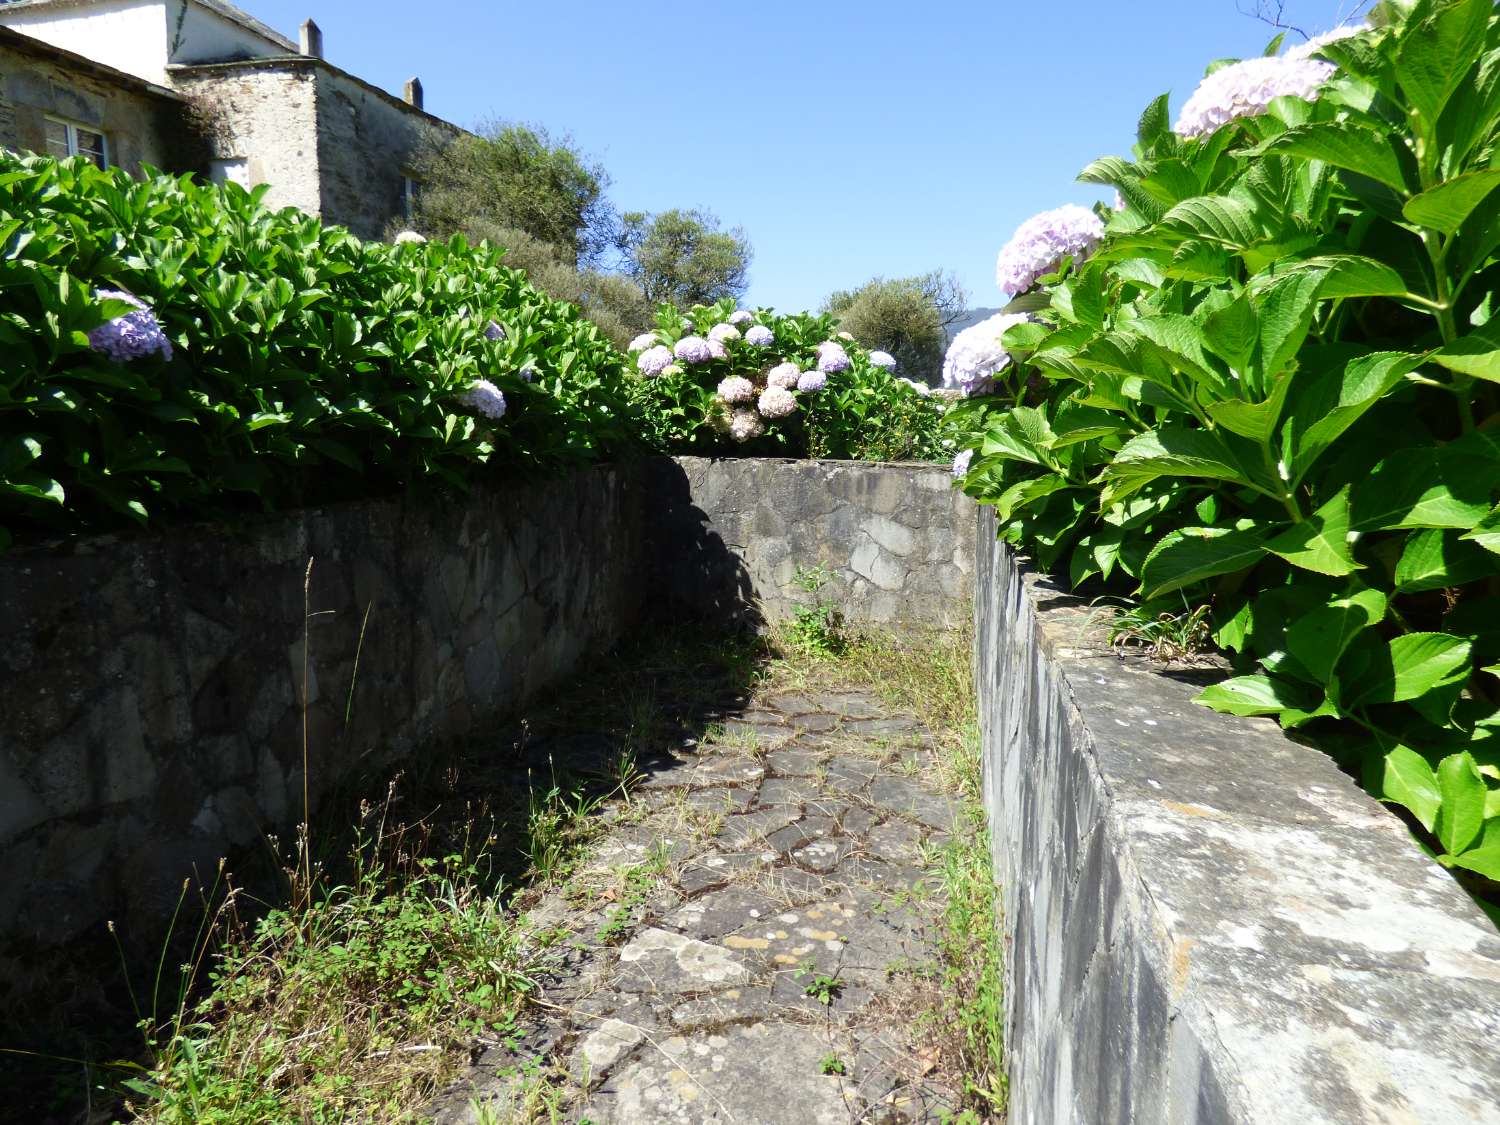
(71, 131)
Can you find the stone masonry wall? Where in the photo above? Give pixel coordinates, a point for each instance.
(152, 687)
(1207, 922)
(730, 535)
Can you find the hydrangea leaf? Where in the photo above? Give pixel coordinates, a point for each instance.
(1344, 145)
(1445, 207)
(1193, 554)
(1487, 532)
(1436, 52)
(1477, 354)
(1436, 558)
(1256, 694)
(1321, 542)
(1408, 780)
(1319, 639)
(1462, 794)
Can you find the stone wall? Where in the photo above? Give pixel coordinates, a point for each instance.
(37, 81)
(153, 687)
(1207, 922)
(730, 535)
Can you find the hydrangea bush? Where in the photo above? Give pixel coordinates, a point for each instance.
(1272, 388)
(179, 351)
(783, 385)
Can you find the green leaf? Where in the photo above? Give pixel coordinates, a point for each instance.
(1462, 793)
(1286, 311)
(1445, 207)
(1191, 554)
(1435, 54)
(1349, 275)
(1321, 542)
(1487, 531)
(1232, 332)
(1172, 451)
(1477, 354)
(1254, 420)
(1409, 666)
(1327, 406)
(1219, 218)
(1437, 558)
(1484, 856)
(1319, 639)
(1409, 781)
(1256, 694)
(1343, 145)
(1421, 487)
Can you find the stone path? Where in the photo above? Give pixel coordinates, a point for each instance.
(752, 937)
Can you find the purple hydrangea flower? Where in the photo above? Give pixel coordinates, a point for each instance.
(1042, 242)
(811, 381)
(759, 335)
(132, 336)
(693, 349)
(883, 359)
(723, 333)
(527, 372)
(977, 354)
(832, 358)
(737, 389)
(1245, 89)
(643, 341)
(494, 331)
(717, 349)
(746, 424)
(653, 361)
(777, 402)
(783, 375)
(961, 463)
(740, 316)
(483, 397)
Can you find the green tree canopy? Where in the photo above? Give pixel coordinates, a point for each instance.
(681, 256)
(905, 316)
(517, 177)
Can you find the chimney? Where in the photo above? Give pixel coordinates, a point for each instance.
(312, 39)
(414, 92)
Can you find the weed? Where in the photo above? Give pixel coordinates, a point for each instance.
(1165, 635)
(822, 988)
(816, 627)
(832, 1064)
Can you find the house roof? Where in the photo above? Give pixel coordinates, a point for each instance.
(220, 7)
(37, 48)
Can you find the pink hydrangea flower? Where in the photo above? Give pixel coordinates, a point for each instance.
(693, 349)
(832, 358)
(1246, 89)
(653, 361)
(723, 333)
(777, 402)
(759, 336)
(1042, 242)
(746, 425)
(737, 389)
(783, 375)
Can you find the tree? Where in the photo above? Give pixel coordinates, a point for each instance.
(517, 177)
(905, 316)
(682, 257)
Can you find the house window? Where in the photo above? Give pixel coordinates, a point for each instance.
(64, 138)
(410, 186)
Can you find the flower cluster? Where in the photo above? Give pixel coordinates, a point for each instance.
(693, 349)
(777, 402)
(811, 381)
(783, 375)
(978, 354)
(1318, 42)
(643, 341)
(483, 397)
(132, 336)
(1042, 242)
(746, 425)
(737, 389)
(1245, 89)
(494, 331)
(759, 335)
(740, 316)
(832, 358)
(883, 359)
(961, 463)
(654, 361)
(723, 332)
(409, 236)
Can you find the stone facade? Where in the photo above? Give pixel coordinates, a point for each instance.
(142, 123)
(898, 539)
(1208, 923)
(153, 688)
(325, 142)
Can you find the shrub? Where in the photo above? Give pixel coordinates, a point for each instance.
(1271, 390)
(303, 365)
(716, 380)
(903, 316)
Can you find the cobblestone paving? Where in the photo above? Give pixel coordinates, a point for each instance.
(747, 940)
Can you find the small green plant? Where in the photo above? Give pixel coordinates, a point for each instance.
(818, 626)
(1164, 635)
(832, 1064)
(823, 988)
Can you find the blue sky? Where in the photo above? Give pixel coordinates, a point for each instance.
(848, 139)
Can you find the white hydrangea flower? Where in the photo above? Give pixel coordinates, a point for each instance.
(643, 341)
(409, 236)
(777, 402)
(758, 335)
(1246, 89)
(961, 463)
(1042, 242)
(740, 316)
(746, 425)
(723, 333)
(737, 389)
(883, 359)
(1318, 42)
(977, 355)
(783, 375)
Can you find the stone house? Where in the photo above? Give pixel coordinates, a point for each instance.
(201, 86)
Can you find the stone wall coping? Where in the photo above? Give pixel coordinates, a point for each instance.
(1328, 970)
